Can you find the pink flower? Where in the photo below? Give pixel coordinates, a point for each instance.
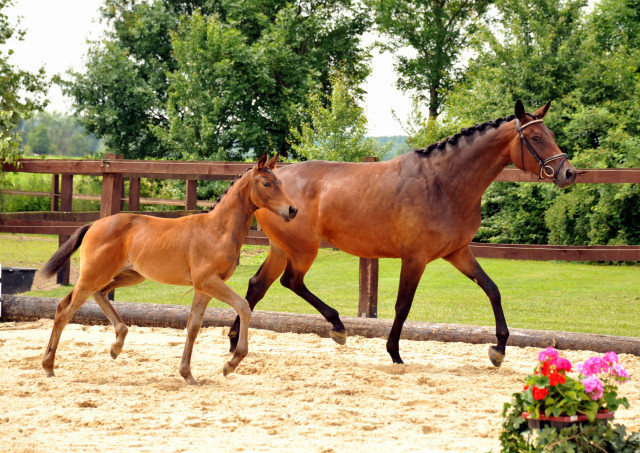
(611, 357)
(593, 365)
(593, 386)
(618, 370)
(547, 354)
(563, 364)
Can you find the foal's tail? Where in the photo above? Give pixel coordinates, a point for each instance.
(62, 255)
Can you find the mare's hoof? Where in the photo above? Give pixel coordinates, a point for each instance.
(495, 356)
(49, 373)
(115, 351)
(338, 337)
(226, 369)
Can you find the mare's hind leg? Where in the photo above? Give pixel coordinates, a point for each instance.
(200, 301)
(293, 278)
(466, 263)
(126, 278)
(270, 270)
(64, 312)
(410, 274)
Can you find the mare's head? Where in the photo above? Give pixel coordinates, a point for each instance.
(266, 189)
(536, 150)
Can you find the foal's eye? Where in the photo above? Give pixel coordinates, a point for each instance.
(266, 184)
(536, 138)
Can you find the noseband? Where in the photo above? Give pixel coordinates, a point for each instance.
(545, 169)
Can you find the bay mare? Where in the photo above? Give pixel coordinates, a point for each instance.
(198, 250)
(418, 207)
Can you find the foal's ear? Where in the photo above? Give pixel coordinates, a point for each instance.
(542, 111)
(262, 161)
(272, 162)
(520, 113)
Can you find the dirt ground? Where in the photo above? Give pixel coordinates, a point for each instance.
(292, 393)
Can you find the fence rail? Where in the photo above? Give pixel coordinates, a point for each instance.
(113, 169)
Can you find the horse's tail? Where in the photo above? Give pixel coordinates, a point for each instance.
(62, 255)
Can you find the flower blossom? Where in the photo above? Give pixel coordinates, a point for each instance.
(539, 394)
(563, 364)
(548, 354)
(611, 357)
(593, 365)
(593, 386)
(556, 378)
(619, 372)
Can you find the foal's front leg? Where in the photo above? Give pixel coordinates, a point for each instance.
(216, 287)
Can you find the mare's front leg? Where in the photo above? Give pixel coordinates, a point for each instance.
(216, 287)
(410, 274)
(466, 263)
(198, 307)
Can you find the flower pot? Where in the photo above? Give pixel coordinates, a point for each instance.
(563, 421)
(16, 280)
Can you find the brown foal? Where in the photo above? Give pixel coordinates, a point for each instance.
(197, 250)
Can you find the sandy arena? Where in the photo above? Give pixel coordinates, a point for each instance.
(292, 393)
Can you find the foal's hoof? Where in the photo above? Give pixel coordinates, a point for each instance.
(495, 356)
(226, 369)
(49, 372)
(338, 337)
(115, 351)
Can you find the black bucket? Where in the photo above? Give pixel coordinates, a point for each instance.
(17, 279)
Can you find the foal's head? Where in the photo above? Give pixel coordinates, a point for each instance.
(266, 189)
(536, 150)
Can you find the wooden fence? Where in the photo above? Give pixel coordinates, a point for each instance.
(113, 169)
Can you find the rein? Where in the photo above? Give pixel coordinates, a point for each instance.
(545, 169)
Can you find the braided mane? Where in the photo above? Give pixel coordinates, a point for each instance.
(452, 140)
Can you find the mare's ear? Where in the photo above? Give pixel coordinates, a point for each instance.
(262, 161)
(520, 113)
(272, 162)
(542, 111)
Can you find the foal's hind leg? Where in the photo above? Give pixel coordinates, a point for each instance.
(200, 301)
(64, 312)
(466, 263)
(126, 278)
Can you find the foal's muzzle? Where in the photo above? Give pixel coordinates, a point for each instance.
(289, 213)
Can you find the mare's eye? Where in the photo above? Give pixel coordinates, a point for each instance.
(266, 184)
(536, 138)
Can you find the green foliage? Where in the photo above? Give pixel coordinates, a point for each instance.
(9, 142)
(338, 131)
(437, 32)
(212, 80)
(586, 63)
(54, 134)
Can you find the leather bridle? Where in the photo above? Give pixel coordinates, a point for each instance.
(545, 169)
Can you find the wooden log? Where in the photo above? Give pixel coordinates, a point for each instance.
(21, 308)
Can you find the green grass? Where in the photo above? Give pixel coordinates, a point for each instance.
(536, 295)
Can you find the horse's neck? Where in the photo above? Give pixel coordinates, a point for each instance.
(235, 209)
(474, 163)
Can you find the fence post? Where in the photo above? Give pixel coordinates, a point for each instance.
(134, 194)
(111, 198)
(66, 205)
(192, 194)
(55, 193)
(368, 298)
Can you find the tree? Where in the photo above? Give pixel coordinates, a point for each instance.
(337, 127)
(163, 82)
(21, 92)
(438, 32)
